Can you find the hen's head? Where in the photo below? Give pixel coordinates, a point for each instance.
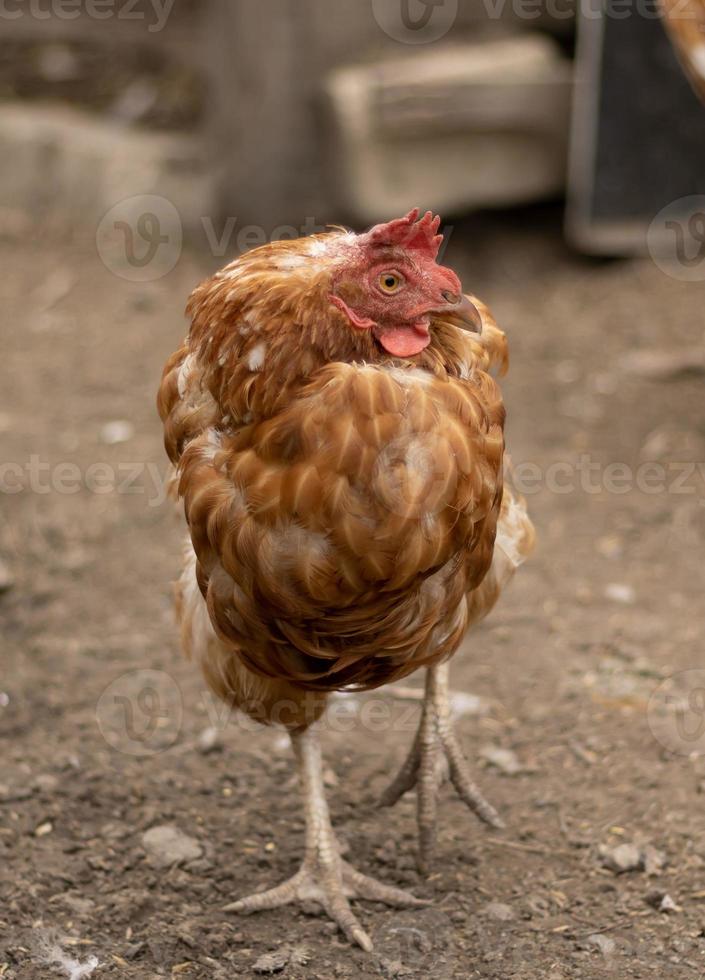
(388, 282)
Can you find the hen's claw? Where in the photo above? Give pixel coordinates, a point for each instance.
(329, 886)
(436, 745)
(324, 877)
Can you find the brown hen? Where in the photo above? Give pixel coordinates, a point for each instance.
(338, 444)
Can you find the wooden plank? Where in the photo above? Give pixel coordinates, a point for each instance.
(263, 129)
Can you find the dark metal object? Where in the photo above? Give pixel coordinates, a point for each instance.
(638, 141)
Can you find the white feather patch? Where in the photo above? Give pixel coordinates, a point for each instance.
(184, 375)
(288, 263)
(50, 953)
(194, 610)
(255, 358)
(697, 59)
(410, 376)
(510, 531)
(212, 445)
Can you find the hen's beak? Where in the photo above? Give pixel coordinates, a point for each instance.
(461, 312)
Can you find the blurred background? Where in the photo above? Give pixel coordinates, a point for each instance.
(348, 112)
(143, 145)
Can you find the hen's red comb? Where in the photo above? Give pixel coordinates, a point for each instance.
(407, 232)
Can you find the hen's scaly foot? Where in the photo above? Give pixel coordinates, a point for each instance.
(330, 886)
(324, 877)
(436, 748)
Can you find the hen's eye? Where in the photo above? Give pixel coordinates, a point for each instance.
(389, 282)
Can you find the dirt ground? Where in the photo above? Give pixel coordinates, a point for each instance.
(106, 733)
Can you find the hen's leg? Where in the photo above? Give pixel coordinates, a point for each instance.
(435, 743)
(324, 877)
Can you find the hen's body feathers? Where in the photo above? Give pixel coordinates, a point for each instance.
(342, 504)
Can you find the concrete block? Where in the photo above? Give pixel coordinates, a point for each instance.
(61, 170)
(458, 127)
